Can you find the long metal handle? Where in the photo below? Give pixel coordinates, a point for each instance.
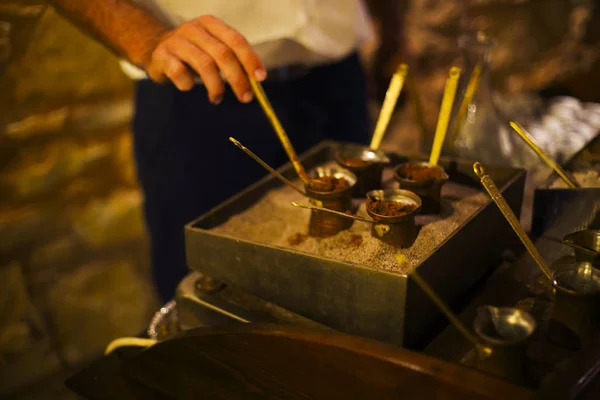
(341, 214)
(387, 109)
(494, 193)
(267, 166)
(523, 134)
(444, 117)
(285, 141)
(482, 349)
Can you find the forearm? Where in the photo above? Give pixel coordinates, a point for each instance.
(127, 29)
(202, 47)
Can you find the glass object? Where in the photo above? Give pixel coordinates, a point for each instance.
(5, 48)
(479, 130)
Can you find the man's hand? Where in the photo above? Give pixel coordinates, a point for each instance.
(206, 47)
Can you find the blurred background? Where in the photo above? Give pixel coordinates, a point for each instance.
(74, 270)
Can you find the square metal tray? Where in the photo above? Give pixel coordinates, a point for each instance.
(359, 300)
(549, 205)
(582, 204)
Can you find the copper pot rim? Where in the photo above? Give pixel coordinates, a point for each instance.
(378, 218)
(332, 171)
(357, 152)
(503, 343)
(427, 182)
(556, 284)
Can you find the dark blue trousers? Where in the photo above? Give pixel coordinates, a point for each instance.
(186, 165)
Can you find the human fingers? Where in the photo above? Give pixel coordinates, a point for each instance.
(201, 63)
(165, 65)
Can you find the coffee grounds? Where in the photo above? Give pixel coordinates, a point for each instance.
(328, 184)
(419, 172)
(356, 162)
(390, 208)
(273, 220)
(297, 239)
(356, 240)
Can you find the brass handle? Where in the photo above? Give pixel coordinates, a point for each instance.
(494, 193)
(341, 214)
(444, 116)
(285, 141)
(541, 154)
(387, 109)
(483, 350)
(267, 167)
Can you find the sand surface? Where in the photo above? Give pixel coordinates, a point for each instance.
(587, 178)
(273, 220)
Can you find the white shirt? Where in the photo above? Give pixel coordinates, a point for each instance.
(282, 32)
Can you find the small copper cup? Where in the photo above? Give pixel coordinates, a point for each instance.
(366, 164)
(429, 187)
(396, 230)
(577, 297)
(506, 331)
(323, 224)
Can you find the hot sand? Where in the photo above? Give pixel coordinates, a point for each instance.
(274, 221)
(587, 178)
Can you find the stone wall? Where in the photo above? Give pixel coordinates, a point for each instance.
(73, 251)
(540, 43)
